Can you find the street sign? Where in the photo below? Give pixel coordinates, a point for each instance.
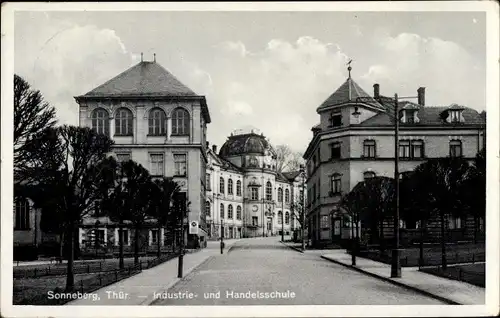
(193, 227)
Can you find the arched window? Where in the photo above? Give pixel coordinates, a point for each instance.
(280, 217)
(180, 122)
(280, 195)
(157, 122)
(100, 121)
(123, 122)
(230, 186)
(287, 218)
(269, 191)
(369, 175)
(207, 208)
(22, 210)
(238, 212)
(230, 211)
(287, 195)
(221, 185)
(221, 210)
(238, 188)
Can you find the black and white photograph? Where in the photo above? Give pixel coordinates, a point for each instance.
(250, 159)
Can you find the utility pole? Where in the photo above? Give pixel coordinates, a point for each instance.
(182, 207)
(282, 217)
(222, 238)
(396, 263)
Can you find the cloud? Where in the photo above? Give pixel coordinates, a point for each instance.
(237, 47)
(63, 60)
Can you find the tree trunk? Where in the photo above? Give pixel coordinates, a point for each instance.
(70, 277)
(121, 243)
(160, 238)
(136, 245)
(356, 242)
(61, 247)
(443, 242)
(421, 247)
(353, 254)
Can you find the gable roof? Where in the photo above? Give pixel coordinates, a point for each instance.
(225, 164)
(350, 91)
(142, 79)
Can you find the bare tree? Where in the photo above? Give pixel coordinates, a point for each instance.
(31, 116)
(287, 159)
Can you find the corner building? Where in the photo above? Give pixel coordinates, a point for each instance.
(354, 140)
(246, 195)
(161, 124)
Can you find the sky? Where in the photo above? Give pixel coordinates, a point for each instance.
(268, 70)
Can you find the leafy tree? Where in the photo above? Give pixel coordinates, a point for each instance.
(32, 115)
(165, 192)
(139, 199)
(72, 155)
(287, 159)
(438, 184)
(474, 190)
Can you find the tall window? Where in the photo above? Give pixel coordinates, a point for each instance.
(180, 122)
(255, 220)
(157, 122)
(207, 208)
(280, 217)
(287, 195)
(417, 148)
(238, 212)
(335, 150)
(22, 209)
(221, 185)
(230, 186)
(156, 164)
(336, 183)
(254, 192)
(404, 149)
(324, 222)
(287, 218)
(269, 191)
(454, 223)
(455, 148)
(280, 195)
(123, 122)
(123, 157)
(100, 121)
(154, 236)
(230, 211)
(221, 210)
(238, 188)
(180, 164)
(208, 181)
(369, 147)
(124, 234)
(335, 119)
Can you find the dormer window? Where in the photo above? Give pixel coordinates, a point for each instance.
(335, 119)
(409, 114)
(454, 116)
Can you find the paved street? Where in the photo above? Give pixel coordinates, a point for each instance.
(264, 265)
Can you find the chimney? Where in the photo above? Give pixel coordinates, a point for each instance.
(421, 96)
(376, 90)
(208, 144)
(214, 148)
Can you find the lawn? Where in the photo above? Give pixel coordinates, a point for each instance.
(455, 254)
(86, 267)
(470, 273)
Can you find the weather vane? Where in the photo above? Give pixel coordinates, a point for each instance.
(349, 68)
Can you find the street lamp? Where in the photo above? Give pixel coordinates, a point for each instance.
(222, 237)
(303, 199)
(282, 217)
(182, 207)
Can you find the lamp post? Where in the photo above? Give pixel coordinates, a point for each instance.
(396, 262)
(182, 207)
(303, 199)
(282, 218)
(222, 237)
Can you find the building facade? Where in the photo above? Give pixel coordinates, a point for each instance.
(355, 140)
(159, 123)
(246, 195)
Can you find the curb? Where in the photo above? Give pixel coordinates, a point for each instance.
(292, 247)
(150, 300)
(418, 290)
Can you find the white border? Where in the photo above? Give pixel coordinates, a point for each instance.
(492, 226)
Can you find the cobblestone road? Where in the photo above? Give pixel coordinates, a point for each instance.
(258, 266)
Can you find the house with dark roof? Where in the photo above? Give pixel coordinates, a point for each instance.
(160, 123)
(354, 140)
(246, 195)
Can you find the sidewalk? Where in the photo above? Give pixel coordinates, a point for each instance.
(447, 290)
(298, 248)
(139, 289)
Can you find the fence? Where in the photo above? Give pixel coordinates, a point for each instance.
(475, 277)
